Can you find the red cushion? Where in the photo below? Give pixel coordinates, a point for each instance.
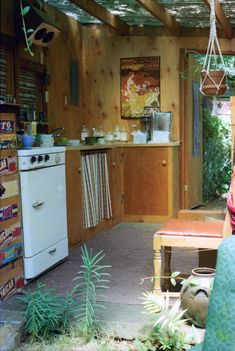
(181, 227)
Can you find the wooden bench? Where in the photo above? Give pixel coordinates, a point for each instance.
(188, 234)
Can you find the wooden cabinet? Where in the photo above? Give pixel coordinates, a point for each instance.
(143, 185)
(150, 183)
(74, 196)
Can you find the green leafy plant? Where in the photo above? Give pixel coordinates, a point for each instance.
(92, 277)
(68, 311)
(216, 156)
(42, 312)
(166, 333)
(196, 68)
(24, 11)
(169, 319)
(173, 277)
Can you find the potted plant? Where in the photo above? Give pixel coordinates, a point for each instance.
(213, 76)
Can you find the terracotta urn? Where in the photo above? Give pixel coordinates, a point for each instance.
(213, 82)
(195, 295)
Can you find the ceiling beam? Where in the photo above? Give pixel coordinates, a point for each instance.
(162, 15)
(98, 11)
(221, 18)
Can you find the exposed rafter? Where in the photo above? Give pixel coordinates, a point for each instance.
(221, 18)
(102, 14)
(162, 15)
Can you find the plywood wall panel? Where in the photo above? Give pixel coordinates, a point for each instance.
(7, 17)
(102, 51)
(66, 47)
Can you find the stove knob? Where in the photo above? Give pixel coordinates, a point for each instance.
(40, 158)
(46, 158)
(33, 159)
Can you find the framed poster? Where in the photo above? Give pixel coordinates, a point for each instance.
(140, 85)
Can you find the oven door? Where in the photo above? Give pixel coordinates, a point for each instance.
(43, 200)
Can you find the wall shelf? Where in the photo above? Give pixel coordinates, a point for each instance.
(9, 104)
(40, 123)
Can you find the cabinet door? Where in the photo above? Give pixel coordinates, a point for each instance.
(74, 196)
(116, 184)
(146, 181)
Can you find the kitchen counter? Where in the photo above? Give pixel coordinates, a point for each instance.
(111, 146)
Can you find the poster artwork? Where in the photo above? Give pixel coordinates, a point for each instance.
(7, 236)
(11, 287)
(140, 85)
(8, 165)
(11, 252)
(7, 141)
(8, 189)
(8, 212)
(6, 126)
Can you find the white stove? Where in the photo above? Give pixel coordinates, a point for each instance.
(43, 207)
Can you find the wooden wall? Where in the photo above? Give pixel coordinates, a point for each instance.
(98, 50)
(102, 50)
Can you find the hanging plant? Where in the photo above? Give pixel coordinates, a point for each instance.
(24, 11)
(213, 76)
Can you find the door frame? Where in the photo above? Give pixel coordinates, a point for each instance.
(183, 165)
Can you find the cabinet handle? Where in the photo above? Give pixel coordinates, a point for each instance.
(51, 252)
(79, 170)
(164, 163)
(38, 204)
(113, 164)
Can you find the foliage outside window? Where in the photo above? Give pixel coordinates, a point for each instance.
(216, 156)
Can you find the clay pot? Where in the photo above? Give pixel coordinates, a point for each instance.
(209, 85)
(195, 295)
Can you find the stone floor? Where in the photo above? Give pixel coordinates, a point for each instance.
(128, 249)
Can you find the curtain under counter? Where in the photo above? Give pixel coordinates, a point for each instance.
(95, 188)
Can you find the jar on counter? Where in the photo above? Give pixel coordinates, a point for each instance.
(116, 134)
(84, 134)
(123, 135)
(109, 137)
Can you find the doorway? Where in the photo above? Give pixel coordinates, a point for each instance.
(198, 148)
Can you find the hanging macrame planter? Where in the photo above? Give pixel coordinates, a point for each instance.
(213, 76)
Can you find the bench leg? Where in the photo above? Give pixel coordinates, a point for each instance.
(157, 265)
(167, 267)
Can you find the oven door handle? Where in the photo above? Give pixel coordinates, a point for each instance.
(38, 204)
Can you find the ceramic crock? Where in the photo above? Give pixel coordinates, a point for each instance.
(195, 295)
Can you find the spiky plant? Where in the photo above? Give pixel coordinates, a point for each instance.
(42, 312)
(91, 278)
(68, 311)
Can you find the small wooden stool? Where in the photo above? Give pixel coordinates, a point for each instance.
(183, 233)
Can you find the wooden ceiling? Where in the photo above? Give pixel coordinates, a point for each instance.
(177, 17)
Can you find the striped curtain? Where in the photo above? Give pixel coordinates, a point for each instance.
(95, 188)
